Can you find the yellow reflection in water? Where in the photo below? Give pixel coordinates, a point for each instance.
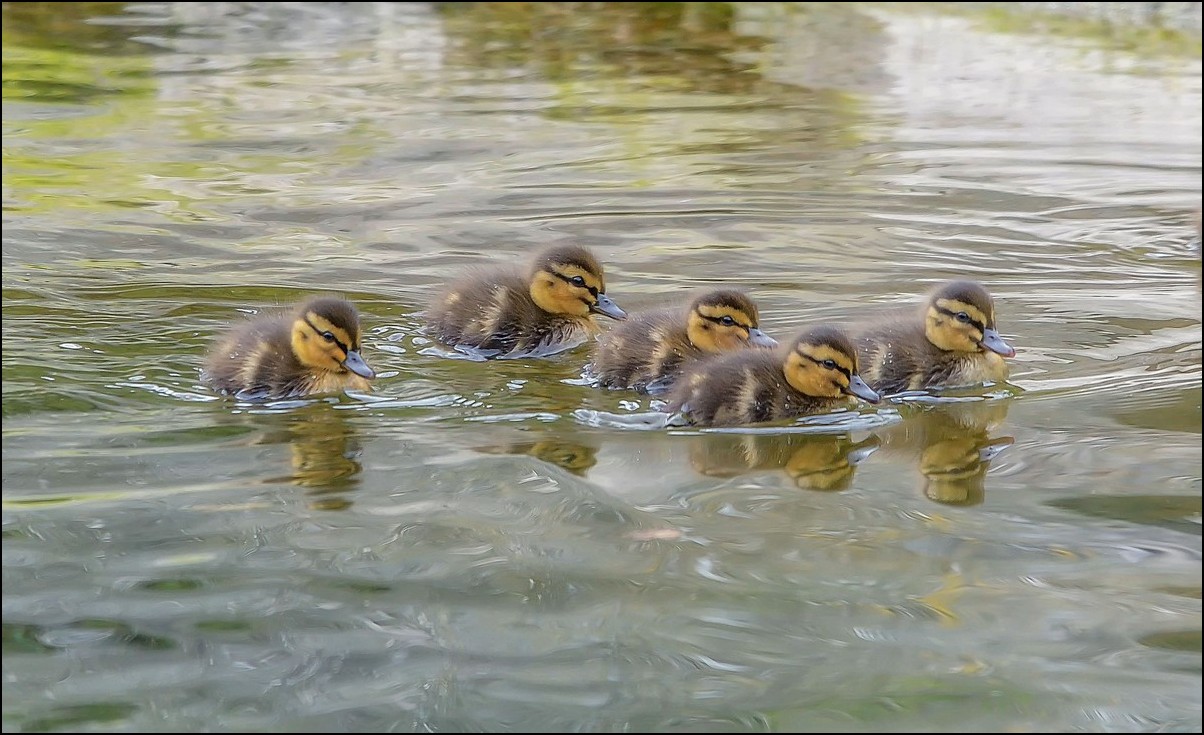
(952, 445)
(324, 453)
(568, 455)
(813, 461)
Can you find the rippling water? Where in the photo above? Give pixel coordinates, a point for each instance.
(497, 546)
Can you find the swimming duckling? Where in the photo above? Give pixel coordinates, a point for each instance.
(815, 374)
(509, 313)
(951, 342)
(313, 349)
(649, 350)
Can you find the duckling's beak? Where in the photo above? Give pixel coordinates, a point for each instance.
(606, 307)
(760, 339)
(859, 388)
(993, 342)
(356, 364)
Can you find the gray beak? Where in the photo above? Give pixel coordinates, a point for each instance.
(993, 342)
(356, 364)
(760, 339)
(606, 307)
(858, 387)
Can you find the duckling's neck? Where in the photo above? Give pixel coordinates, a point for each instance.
(329, 381)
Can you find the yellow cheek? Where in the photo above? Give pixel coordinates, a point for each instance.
(557, 297)
(324, 355)
(573, 303)
(719, 339)
(734, 339)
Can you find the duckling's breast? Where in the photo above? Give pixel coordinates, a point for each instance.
(983, 367)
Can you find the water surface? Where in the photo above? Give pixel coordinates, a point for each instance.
(499, 547)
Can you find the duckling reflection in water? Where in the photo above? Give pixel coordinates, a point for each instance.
(313, 349)
(649, 351)
(950, 341)
(504, 312)
(952, 445)
(325, 459)
(815, 373)
(322, 445)
(824, 462)
(568, 455)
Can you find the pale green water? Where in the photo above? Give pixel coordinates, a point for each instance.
(487, 546)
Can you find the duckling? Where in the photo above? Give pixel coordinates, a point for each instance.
(952, 341)
(650, 350)
(313, 349)
(509, 313)
(815, 374)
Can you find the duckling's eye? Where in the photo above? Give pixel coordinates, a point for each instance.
(829, 364)
(727, 321)
(577, 281)
(328, 336)
(962, 317)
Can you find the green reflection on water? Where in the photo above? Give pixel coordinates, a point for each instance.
(72, 717)
(23, 638)
(1114, 30)
(1176, 512)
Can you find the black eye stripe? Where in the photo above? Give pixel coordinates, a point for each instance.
(950, 313)
(337, 341)
(569, 280)
(844, 371)
(719, 320)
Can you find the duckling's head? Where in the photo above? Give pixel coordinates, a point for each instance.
(822, 363)
(960, 317)
(725, 320)
(326, 336)
(567, 280)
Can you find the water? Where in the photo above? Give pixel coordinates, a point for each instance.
(498, 547)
